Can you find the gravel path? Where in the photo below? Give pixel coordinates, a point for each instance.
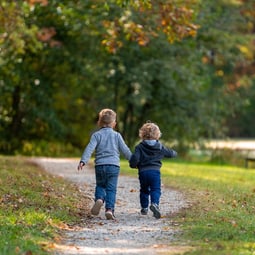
(130, 233)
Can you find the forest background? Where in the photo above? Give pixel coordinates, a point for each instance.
(187, 65)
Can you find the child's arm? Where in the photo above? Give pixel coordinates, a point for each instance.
(87, 152)
(123, 147)
(135, 158)
(169, 153)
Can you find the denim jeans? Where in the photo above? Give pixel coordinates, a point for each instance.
(150, 187)
(106, 184)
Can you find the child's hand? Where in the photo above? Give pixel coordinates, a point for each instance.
(80, 166)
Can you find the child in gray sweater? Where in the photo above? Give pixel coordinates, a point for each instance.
(107, 144)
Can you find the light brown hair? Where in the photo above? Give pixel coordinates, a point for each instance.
(149, 131)
(107, 118)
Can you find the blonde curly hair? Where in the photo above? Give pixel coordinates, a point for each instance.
(149, 131)
(106, 118)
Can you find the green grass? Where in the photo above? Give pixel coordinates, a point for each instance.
(221, 219)
(34, 207)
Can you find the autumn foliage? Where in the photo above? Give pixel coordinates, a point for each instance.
(144, 22)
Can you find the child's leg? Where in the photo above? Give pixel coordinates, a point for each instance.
(112, 174)
(100, 183)
(99, 190)
(144, 189)
(155, 186)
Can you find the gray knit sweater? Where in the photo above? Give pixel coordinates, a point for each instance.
(107, 144)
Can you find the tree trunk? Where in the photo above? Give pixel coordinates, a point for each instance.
(15, 125)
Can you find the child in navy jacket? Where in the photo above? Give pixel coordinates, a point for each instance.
(147, 158)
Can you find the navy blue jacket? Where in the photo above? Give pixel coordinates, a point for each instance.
(148, 157)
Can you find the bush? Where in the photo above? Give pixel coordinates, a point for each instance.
(48, 149)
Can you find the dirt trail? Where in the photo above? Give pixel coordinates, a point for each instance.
(130, 233)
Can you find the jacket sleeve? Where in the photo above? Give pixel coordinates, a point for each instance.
(169, 153)
(135, 158)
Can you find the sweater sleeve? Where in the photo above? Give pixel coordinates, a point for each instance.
(124, 148)
(89, 149)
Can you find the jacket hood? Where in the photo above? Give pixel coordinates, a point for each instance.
(156, 147)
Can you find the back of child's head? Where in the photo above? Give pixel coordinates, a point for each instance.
(149, 131)
(106, 118)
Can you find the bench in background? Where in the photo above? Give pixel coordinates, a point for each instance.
(247, 159)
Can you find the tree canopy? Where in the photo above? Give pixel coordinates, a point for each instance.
(187, 65)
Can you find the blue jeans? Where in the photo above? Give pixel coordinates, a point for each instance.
(106, 184)
(150, 187)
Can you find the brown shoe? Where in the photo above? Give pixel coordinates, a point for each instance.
(109, 214)
(95, 210)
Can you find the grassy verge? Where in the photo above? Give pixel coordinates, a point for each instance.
(221, 220)
(33, 207)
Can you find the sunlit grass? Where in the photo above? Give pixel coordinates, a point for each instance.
(34, 206)
(221, 218)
